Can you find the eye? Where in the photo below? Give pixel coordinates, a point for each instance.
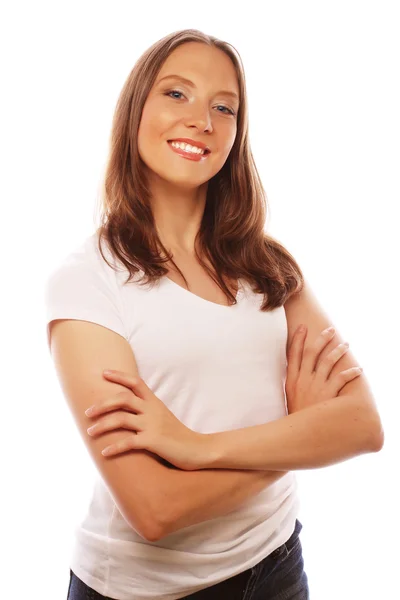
(230, 111)
(174, 92)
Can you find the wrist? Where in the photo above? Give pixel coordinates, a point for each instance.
(210, 453)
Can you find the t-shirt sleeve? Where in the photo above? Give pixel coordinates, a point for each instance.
(83, 290)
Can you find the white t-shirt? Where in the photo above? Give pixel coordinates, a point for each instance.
(217, 368)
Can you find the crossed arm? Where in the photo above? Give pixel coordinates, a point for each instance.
(321, 435)
(191, 497)
(314, 436)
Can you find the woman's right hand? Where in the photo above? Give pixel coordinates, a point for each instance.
(308, 378)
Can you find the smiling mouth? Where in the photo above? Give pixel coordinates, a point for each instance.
(190, 156)
(205, 153)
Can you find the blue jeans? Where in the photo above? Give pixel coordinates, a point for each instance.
(279, 576)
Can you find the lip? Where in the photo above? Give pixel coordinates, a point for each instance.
(188, 155)
(192, 143)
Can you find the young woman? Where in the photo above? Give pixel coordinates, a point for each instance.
(216, 396)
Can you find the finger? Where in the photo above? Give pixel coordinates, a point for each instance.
(121, 420)
(123, 400)
(133, 442)
(311, 353)
(348, 375)
(134, 382)
(121, 375)
(326, 365)
(295, 352)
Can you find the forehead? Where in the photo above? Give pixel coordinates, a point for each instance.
(201, 63)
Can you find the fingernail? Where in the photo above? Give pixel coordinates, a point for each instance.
(89, 411)
(330, 329)
(301, 329)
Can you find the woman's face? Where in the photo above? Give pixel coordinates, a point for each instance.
(202, 112)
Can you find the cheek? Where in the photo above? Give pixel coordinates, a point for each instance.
(225, 137)
(230, 138)
(156, 119)
(154, 127)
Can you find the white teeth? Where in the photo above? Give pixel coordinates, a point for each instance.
(187, 147)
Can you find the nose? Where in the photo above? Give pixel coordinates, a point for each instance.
(201, 119)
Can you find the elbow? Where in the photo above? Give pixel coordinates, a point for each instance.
(158, 509)
(146, 524)
(151, 529)
(158, 529)
(369, 425)
(378, 440)
(160, 522)
(165, 524)
(167, 518)
(375, 437)
(153, 534)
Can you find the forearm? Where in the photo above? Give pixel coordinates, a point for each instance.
(196, 496)
(320, 435)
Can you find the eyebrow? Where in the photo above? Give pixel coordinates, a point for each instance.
(191, 84)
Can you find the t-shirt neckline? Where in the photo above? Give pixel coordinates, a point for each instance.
(189, 294)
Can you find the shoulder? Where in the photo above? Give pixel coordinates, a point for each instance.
(84, 287)
(85, 264)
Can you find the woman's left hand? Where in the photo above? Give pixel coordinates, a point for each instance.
(154, 427)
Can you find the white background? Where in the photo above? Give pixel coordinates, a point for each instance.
(323, 86)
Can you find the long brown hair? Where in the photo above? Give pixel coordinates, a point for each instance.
(231, 234)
